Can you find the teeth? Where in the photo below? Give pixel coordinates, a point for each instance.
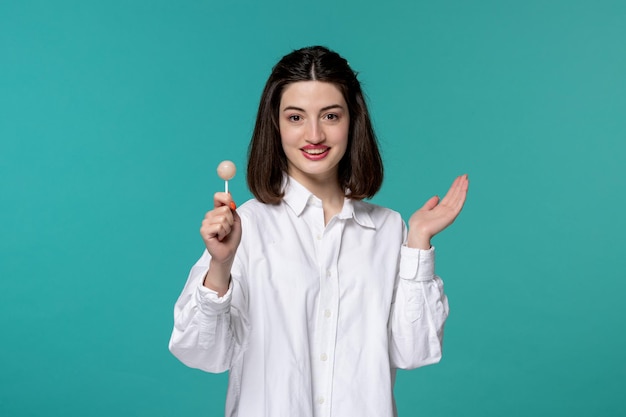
(315, 151)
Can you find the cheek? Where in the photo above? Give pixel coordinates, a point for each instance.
(343, 135)
(288, 136)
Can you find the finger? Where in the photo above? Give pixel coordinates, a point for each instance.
(216, 231)
(236, 218)
(431, 203)
(216, 214)
(223, 199)
(207, 232)
(221, 231)
(452, 192)
(462, 190)
(217, 225)
(457, 197)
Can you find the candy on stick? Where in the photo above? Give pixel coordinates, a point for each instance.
(226, 171)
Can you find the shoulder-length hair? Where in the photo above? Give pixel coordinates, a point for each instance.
(360, 169)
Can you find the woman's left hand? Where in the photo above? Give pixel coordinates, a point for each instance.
(436, 215)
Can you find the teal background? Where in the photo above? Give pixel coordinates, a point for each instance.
(114, 116)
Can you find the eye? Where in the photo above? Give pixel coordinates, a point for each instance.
(294, 118)
(331, 116)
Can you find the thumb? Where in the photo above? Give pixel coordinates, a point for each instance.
(431, 203)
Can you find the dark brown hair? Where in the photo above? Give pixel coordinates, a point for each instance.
(360, 169)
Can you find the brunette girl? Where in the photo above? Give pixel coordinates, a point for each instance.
(310, 297)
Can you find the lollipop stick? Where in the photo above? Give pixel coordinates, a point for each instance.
(226, 186)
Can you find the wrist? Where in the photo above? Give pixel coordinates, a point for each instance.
(217, 277)
(419, 242)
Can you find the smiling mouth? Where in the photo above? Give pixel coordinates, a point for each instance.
(315, 151)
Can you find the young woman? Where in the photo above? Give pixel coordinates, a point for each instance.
(310, 297)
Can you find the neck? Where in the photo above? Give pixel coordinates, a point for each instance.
(329, 191)
(332, 204)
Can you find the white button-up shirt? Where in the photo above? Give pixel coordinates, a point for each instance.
(317, 318)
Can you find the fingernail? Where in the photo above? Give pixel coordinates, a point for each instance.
(233, 206)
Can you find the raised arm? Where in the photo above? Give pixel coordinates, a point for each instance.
(221, 232)
(208, 329)
(420, 306)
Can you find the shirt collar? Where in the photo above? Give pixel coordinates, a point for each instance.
(297, 197)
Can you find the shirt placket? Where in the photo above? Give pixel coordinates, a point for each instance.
(327, 316)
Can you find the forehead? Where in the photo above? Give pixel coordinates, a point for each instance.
(312, 93)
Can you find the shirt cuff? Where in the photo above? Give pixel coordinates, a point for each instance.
(208, 301)
(417, 264)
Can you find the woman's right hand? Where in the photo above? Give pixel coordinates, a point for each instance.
(221, 232)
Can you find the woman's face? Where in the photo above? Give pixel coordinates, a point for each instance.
(314, 122)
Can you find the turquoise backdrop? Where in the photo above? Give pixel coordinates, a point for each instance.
(114, 115)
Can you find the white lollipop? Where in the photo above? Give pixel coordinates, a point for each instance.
(226, 171)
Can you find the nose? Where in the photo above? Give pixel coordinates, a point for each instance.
(315, 132)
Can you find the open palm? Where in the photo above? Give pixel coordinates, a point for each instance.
(436, 215)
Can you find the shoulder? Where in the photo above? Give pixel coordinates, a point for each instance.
(380, 216)
(251, 209)
(374, 209)
(251, 206)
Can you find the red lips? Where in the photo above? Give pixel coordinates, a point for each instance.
(315, 152)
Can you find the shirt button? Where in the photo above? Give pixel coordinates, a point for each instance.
(318, 237)
(320, 400)
(323, 357)
(328, 273)
(327, 313)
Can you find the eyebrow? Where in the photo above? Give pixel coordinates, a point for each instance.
(323, 109)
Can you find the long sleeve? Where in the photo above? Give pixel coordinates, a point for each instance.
(418, 312)
(319, 315)
(209, 332)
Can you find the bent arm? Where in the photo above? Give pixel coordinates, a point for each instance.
(418, 313)
(209, 330)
